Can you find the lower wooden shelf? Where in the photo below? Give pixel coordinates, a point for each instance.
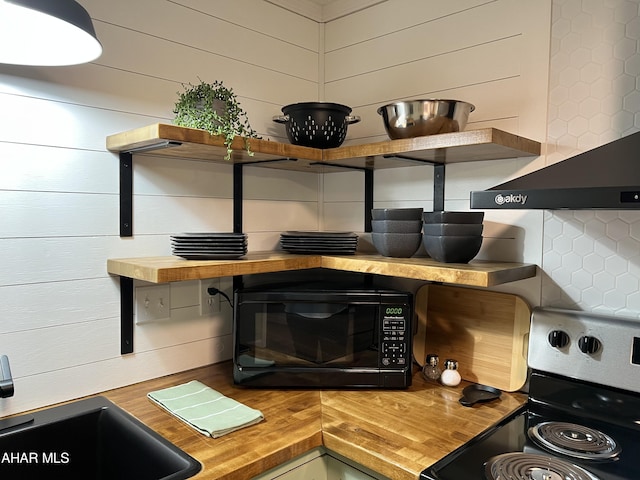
(477, 273)
(175, 269)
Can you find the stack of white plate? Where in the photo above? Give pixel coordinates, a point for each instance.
(335, 243)
(209, 246)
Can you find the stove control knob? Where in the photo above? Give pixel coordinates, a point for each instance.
(588, 344)
(558, 339)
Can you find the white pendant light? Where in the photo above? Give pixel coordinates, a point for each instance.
(46, 32)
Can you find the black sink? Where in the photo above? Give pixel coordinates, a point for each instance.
(88, 439)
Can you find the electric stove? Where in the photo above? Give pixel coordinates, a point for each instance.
(582, 417)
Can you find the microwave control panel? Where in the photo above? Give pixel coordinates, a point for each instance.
(395, 344)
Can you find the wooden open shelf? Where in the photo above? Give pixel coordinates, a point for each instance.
(474, 145)
(470, 146)
(188, 143)
(174, 269)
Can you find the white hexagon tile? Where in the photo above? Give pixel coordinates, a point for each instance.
(591, 259)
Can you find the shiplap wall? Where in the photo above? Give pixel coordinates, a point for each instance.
(59, 186)
(491, 53)
(58, 190)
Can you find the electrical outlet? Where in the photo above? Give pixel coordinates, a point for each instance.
(153, 303)
(209, 304)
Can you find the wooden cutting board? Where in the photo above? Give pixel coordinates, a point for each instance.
(486, 332)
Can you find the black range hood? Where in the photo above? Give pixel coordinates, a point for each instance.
(607, 177)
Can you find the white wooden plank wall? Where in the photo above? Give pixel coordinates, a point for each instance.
(58, 188)
(491, 53)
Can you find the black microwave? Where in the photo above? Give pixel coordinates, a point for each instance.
(315, 335)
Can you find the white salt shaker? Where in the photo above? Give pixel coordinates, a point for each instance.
(450, 375)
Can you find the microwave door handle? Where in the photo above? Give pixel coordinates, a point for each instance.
(315, 310)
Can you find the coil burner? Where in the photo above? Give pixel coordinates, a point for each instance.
(525, 466)
(581, 420)
(574, 440)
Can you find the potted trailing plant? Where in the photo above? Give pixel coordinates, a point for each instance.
(214, 108)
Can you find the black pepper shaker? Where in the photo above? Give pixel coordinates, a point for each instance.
(431, 370)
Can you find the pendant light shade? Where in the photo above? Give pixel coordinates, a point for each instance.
(46, 32)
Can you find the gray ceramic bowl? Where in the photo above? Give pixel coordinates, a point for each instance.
(396, 213)
(452, 249)
(396, 226)
(459, 229)
(453, 217)
(402, 245)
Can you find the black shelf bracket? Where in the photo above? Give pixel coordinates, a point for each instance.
(126, 315)
(368, 199)
(438, 187)
(126, 183)
(126, 194)
(273, 160)
(126, 224)
(438, 175)
(422, 161)
(238, 193)
(368, 206)
(439, 170)
(126, 230)
(338, 165)
(237, 197)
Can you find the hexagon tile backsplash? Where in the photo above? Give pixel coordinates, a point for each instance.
(591, 261)
(594, 93)
(591, 258)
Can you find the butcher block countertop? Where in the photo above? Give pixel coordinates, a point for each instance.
(397, 433)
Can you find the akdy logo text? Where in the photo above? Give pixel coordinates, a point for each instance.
(17, 458)
(502, 199)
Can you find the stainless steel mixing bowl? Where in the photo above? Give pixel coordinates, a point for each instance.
(416, 118)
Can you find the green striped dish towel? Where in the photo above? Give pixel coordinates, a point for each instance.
(204, 409)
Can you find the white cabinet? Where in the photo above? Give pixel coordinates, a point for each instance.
(319, 464)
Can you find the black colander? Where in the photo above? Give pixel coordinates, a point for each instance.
(316, 124)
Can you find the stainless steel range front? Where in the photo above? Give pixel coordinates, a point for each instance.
(582, 418)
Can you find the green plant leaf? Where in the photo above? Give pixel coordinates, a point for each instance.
(214, 108)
